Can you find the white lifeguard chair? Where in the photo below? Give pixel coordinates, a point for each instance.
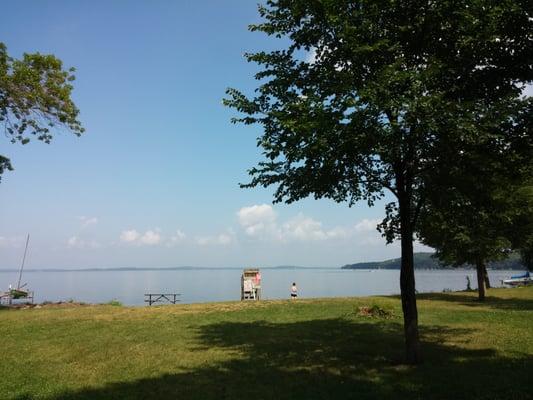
(251, 284)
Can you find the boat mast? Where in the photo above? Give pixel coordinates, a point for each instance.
(23, 260)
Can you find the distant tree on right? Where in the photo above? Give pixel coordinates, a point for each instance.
(522, 232)
(482, 215)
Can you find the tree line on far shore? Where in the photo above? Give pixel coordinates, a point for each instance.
(513, 261)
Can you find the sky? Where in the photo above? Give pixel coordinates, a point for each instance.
(154, 181)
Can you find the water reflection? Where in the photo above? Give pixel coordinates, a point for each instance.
(221, 284)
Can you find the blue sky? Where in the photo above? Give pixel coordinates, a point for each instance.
(154, 181)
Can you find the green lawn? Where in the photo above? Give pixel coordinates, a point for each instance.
(304, 349)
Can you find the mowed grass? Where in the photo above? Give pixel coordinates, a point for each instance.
(304, 349)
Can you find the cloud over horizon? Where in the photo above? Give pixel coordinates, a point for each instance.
(87, 221)
(149, 238)
(260, 221)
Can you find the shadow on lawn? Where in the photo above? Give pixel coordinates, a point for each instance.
(328, 359)
(471, 299)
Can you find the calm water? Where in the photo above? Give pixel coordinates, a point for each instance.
(224, 284)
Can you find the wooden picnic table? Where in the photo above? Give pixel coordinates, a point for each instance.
(152, 298)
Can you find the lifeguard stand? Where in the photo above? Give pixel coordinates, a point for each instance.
(251, 284)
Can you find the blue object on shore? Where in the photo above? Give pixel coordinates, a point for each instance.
(519, 280)
(526, 275)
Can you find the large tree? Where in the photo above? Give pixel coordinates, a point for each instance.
(369, 96)
(35, 99)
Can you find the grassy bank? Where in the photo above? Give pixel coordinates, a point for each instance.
(306, 349)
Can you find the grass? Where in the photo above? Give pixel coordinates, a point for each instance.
(115, 303)
(305, 349)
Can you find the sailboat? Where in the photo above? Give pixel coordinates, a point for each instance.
(20, 292)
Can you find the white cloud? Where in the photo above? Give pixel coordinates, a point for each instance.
(307, 229)
(150, 238)
(129, 236)
(203, 240)
(74, 242)
(14, 241)
(338, 233)
(258, 220)
(222, 239)
(261, 222)
(302, 228)
(366, 225)
(87, 221)
(176, 238)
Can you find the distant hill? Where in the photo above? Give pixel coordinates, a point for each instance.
(427, 261)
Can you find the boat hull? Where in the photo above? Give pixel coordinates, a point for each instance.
(518, 282)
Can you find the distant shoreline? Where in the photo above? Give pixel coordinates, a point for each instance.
(423, 261)
(429, 262)
(466, 268)
(156, 269)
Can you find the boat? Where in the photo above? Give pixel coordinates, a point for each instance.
(519, 280)
(19, 292)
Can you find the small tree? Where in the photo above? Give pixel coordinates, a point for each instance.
(522, 232)
(467, 227)
(392, 89)
(35, 99)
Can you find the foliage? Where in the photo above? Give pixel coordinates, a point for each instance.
(115, 303)
(35, 99)
(527, 256)
(309, 349)
(485, 214)
(522, 234)
(480, 214)
(469, 226)
(392, 92)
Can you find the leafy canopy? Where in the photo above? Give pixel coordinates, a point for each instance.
(478, 220)
(391, 90)
(35, 99)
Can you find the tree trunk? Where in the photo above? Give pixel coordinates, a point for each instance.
(407, 283)
(486, 277)
(480, 269)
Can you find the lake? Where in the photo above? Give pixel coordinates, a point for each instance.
(223, 284)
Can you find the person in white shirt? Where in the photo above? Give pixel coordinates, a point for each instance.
(294, 291)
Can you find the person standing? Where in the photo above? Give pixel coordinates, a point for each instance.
(294, 291)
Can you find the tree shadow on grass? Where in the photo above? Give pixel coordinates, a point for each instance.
(471, 299)
(350, 358)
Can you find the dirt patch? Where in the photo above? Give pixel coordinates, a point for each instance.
(375, 312)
